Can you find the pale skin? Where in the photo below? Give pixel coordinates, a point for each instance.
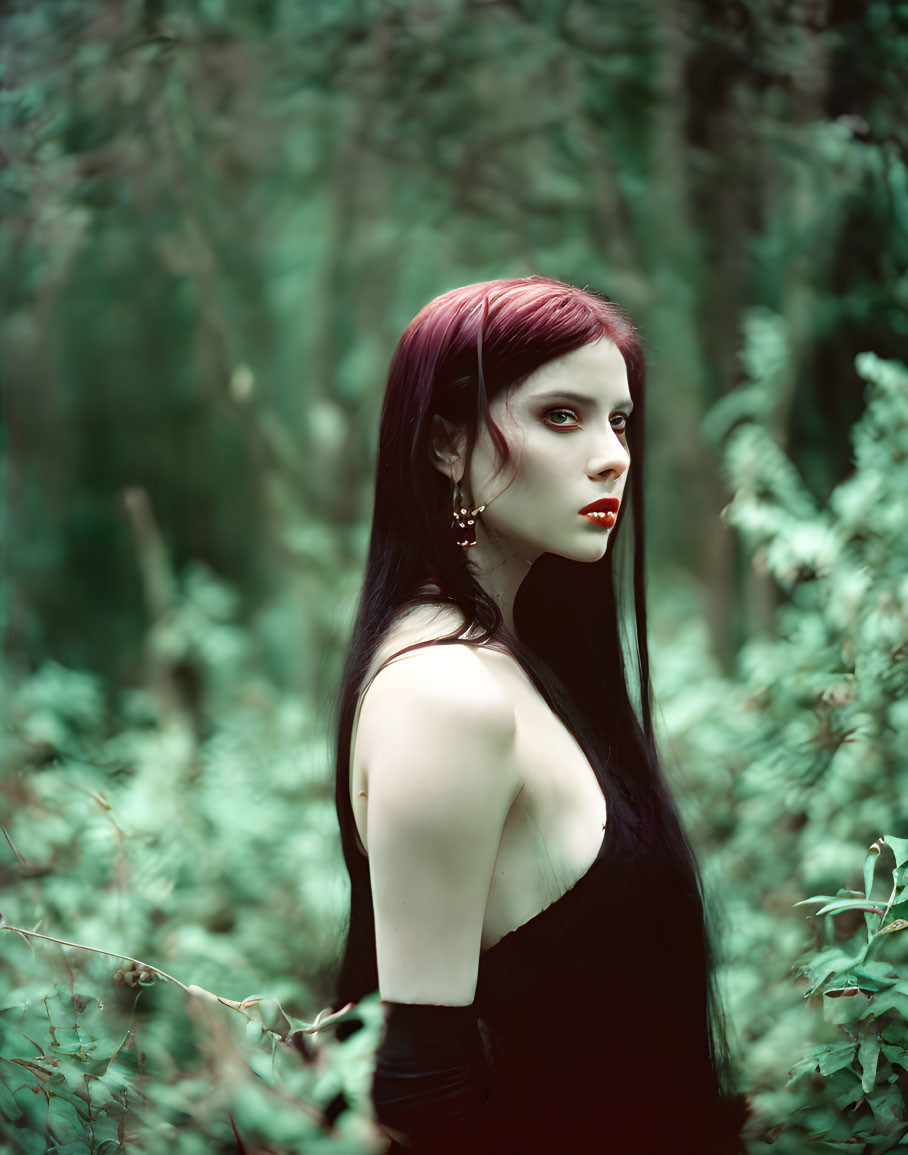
(475, 805)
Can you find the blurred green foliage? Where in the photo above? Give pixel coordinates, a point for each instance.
(792, 765)
(217, 218)
(207, 846)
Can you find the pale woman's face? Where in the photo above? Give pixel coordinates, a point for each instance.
(566, 429)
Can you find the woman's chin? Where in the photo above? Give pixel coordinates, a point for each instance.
(593, 549)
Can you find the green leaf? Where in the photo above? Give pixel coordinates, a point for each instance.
(844, 1087)
(868, 1057)
(836, 1057)
(9, 1109)
(890, 1000)
(824, 965)
(874, 977)
(896, 1055)
(888, 1108)
(842, 904)
(899, 847)
(803, 1067)
(870, 860)
(880, 971)
(827, 897)
(843, 1012)
(849, 1144)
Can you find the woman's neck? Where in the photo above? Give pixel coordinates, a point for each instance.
(500, 577)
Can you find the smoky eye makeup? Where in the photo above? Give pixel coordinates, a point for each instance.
(561, 417)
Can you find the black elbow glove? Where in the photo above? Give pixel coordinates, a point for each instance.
(431, 1077)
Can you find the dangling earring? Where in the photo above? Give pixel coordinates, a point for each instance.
(464, 520)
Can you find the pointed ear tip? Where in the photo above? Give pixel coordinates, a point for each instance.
(442, 424)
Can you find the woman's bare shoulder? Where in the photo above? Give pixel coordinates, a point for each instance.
(422, 622)
(436, 637)
(438, 688)
(441, 704)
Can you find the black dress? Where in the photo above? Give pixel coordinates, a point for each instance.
(594, 1015)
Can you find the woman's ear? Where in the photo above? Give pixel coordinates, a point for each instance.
(447, 447)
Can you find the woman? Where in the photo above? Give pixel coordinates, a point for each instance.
(522, 893)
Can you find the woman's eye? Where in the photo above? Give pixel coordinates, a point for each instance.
(619, 421)
(561, 418)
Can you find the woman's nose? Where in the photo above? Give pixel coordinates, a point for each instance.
(611, 458)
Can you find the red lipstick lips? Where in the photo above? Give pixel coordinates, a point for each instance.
(603, 512)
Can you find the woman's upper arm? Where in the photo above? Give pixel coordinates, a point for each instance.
(439, 748)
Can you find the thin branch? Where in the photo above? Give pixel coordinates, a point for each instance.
(322, 1020)
(96, 950)
(11, 846)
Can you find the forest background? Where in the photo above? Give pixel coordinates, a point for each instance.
(218, 216)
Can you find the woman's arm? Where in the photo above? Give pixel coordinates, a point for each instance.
(437, 738)
(441, 777)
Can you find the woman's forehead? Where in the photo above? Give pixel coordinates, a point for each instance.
(595, 372)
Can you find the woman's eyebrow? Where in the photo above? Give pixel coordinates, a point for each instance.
(625, 405)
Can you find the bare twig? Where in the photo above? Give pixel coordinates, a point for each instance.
(96, 950)
(324, 1018)
(11, 846)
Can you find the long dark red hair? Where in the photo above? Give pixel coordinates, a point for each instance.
(577, 624)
